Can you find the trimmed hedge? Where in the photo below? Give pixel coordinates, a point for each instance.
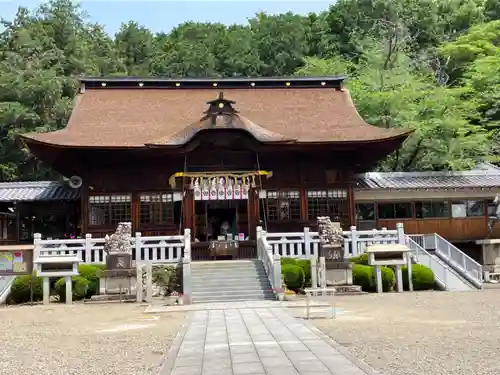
(20, 289)
(80, 288)
(362, 259)
(366, 277)
(293, 276)
(91, 272)
(422, 277)
(305, 264)
(363, 276)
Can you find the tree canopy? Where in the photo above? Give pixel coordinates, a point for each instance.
(432, 66)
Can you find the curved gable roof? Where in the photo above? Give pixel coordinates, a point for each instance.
(107, 116)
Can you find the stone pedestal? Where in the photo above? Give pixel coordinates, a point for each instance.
(119, 280)
(491, 257)
(338, 270)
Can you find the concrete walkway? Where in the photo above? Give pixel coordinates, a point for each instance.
(256, 341)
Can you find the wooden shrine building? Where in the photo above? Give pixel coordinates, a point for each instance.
(214, 155)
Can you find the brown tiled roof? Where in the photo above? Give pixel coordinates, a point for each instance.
(118, 117)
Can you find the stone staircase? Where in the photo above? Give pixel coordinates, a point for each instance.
(227, 281)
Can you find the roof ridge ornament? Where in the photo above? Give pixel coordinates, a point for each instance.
(221, 106)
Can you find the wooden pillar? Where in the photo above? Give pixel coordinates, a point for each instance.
(188, 211)
(135, 211)
(18, 223)
(352, 206)
(253, 212)
(84, 210)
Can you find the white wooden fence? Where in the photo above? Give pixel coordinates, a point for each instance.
(171, 249)
(306, 244)
(156, 249)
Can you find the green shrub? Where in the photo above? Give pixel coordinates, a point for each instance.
(362, 259)
(422, 277)
(284, 261)
(20, 289)
(363, 276)
(305, 264)
(293, 276)
(80, 288)
(91, 272)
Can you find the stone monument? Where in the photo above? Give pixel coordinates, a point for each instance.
(119, 280)
(338, 269)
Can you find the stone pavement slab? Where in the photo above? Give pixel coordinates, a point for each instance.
(159, 307)
(256, 341)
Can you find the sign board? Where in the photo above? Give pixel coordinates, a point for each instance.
(16, 260)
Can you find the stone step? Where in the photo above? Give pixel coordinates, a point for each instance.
(233, 289)
(229, 274)
(224, 269)
(210, 299)
(235, 292)
(224, 284)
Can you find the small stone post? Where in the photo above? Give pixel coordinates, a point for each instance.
(138, 246)
(69, 290)
(314, 271)
(149, 282)
(46, 290)
(186, 281)
(399, 279)
(378, 271)
(322, 273)
(410, 280)
(139, 283)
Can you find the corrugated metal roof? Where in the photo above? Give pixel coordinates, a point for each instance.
(37, 191)
(477, 178)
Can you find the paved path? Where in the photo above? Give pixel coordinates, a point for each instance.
(256, 341)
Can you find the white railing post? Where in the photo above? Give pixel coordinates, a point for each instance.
(258, 236)
(277, 272)
(186, 281)
(88, 248)
(354, 242)
(36, 248)
(187, 243)
(137, 248)
(307, 243)
(401, 233)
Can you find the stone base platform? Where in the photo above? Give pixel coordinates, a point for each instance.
(348, 290)
(103, 298)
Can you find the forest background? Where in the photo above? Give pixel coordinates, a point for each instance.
(433, 66)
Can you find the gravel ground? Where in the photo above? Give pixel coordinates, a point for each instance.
(104, 339)
(438, 333)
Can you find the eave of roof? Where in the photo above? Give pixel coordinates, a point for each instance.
(476, 178)
(37, 191)
(210, 83)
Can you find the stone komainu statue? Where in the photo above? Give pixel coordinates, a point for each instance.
(119, 243)
(329, 233)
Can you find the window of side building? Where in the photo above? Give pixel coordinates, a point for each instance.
(399, 210)
(467, 208)
(432, 209)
